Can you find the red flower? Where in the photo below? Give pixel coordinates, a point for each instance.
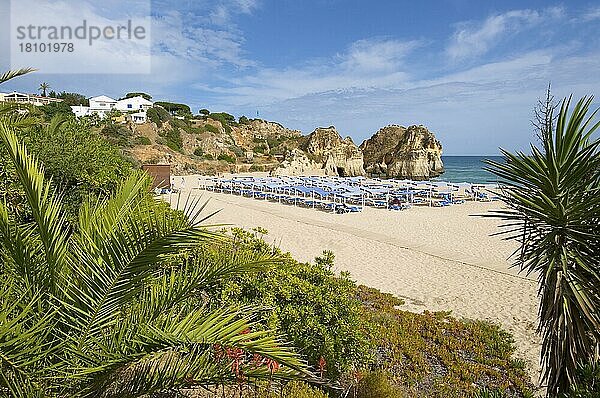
(322, 365)
(272, 365)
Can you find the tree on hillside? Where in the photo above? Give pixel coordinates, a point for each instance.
(553, 200)
(143, 95)
(43, 88)
(73, 99)
(204, 112)
(175, 108)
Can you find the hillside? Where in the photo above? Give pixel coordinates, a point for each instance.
(215, 143)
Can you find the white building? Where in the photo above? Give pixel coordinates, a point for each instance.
(100, 105)
(32, 99)
(80, 110)
(139, 117)
(134, 104)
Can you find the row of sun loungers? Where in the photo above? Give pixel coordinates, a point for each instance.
(348, 194)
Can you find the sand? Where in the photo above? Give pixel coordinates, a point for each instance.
(436, 259)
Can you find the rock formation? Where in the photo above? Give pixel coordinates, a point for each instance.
(324, 152)
(296, 163)
(400, 152)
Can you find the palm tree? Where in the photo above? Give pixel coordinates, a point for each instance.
(43, 87)
(98, 311)
(553, 200)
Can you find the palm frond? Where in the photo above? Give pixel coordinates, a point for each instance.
(45, 206)
(11, 74)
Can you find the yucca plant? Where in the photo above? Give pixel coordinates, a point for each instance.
(553, 209)
(96, 311)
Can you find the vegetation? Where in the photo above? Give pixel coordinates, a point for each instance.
(553, 203)
(435, 355)
(78, 160)
(143, 95)
(158, 115)
(295, 389)
(175, 108)
(204, 112)
(226, 157)
(314, 309)
(102, 310)
(141, 140)
(56, 108)
(244, 120)
(172, 139)
(198, 151)
(71, 99)
(116, 133)
(225, 119)
(210, 128)
(43, 88)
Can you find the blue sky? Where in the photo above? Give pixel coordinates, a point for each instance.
(471, 71)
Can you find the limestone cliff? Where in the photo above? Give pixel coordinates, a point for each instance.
(323, 152)
(403, 152)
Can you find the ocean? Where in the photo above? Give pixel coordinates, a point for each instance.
(467, 169)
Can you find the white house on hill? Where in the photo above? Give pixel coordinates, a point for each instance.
(102, 105)
(134, 107)
(32, 99)
(138, 103)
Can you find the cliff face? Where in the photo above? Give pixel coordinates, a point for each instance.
(400, 152)
(324, 152)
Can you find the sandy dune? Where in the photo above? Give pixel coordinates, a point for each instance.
(434, 258)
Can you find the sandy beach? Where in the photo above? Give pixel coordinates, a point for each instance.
(436, 259)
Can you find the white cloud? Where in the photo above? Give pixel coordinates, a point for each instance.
(366, 63)
(592, 14)
(205, 45)
(473, 39)
(222, 12)
(104, 56)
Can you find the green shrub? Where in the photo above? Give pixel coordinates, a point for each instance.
(244, 120)
(117, 134)
(260, 149)
(158, 115)
(317, 311)
(175, 108)
(198, 151)
(295, 389)
(204, 112)
(172, 139)
(437, 355)
(588, 382)
(80, 162)
(239, 152)
(257, 167)
(377, 385)
(211, 129)
(225, 119)
(208, 156)
(226, 157)
(141, 140)
(56, 108)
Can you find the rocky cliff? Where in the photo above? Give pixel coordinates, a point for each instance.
(323, 152)
(403, 152)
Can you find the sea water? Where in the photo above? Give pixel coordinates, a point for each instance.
(468, 169)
